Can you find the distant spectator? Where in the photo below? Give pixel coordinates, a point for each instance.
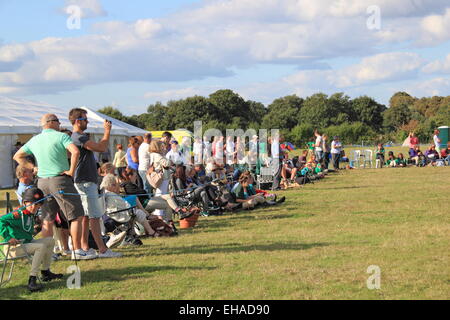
(437, 142)
(414, 155)
(446, 154)
(166, 139)
(318, 146)
(391, 160)
(401, 161)
(120, 157)
(379, 153)
(432, 155)
(413, 140)
(326, 151)
(144, 161)
(336, 149)
(174, 155)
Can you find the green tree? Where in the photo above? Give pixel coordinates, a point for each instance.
(369, 112)
(397, 116)
(283, 113)
(229, 105)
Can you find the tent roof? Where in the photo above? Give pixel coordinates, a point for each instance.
(20, 116)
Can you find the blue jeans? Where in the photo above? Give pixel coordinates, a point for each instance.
(147, 186)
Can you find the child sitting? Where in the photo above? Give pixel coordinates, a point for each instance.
(17, 228)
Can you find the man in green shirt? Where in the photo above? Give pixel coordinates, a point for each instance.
(55, 177)
(18, 226)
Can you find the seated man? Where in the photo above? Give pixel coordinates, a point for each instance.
(19, 226)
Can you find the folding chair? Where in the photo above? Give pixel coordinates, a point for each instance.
(5, 256)
(265, 177)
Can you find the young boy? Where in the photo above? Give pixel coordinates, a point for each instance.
(19, 226)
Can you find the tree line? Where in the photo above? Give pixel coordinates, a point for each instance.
(354, 120)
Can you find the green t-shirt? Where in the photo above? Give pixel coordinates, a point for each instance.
(18, 225)
(50, 150)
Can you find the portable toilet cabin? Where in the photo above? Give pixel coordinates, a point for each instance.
(444, 135)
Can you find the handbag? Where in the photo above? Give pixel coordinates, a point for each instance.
(154, 178)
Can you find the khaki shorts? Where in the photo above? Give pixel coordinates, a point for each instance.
(68, 204)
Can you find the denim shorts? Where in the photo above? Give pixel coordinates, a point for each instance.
(90, 199)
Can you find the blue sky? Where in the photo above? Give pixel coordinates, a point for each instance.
(132, 54)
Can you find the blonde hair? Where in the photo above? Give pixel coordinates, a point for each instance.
(155, 147)
(20, 171)
(106, 167)
(108, 181)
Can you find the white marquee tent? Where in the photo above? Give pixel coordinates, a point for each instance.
(20, 120)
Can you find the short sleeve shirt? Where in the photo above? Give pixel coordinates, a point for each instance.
(86, 170)
(50, 150)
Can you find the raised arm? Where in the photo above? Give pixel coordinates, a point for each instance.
(102, 145)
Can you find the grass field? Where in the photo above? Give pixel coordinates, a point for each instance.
(318, 245)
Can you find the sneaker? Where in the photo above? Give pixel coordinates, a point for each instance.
(109, 254)
(116, 239)
(66, 253)
(56, 256)
(91, 252)
(82, 255)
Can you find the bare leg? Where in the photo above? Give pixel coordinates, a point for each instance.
(75, 232)
(97, 234)
(85, 233)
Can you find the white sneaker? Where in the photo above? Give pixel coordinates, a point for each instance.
(116, 239)
(109, 254)
(83, 255)
(92, 252)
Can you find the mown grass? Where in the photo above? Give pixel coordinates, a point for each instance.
(318, 245)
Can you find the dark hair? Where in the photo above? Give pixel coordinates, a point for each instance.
(180, 173)
(75, 114)
(148, 136)
(127, 173)
(167, 135)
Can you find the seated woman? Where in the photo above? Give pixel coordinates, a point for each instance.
(246, 194)
(288, 173)
(446, 154)
(186, 183)
(165, 202)
(391, 161)
(401, 161)
(114, 202)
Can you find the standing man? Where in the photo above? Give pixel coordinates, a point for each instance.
(86, 181)
(144, 161)
(55, 178)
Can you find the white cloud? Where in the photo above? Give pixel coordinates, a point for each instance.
(216, 37)
(438, 66)
(433, 87)
(89, 8)
(375, 69)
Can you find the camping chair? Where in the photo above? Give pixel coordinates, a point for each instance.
(265, 177)
(5, 256)
(368, 158)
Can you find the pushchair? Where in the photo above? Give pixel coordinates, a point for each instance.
(120, 224)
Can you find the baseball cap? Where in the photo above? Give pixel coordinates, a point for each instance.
(33, 195)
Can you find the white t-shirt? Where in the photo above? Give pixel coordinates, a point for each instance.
(175, 156)
(144, 157)
(437, 142)
(319, 143)
(336, 147)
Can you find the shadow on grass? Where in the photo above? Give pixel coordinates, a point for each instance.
(352, 187)
(20, 292)
(226, 248)
(213, 224)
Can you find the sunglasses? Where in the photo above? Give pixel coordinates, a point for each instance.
(82, 119)
(53, 120)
